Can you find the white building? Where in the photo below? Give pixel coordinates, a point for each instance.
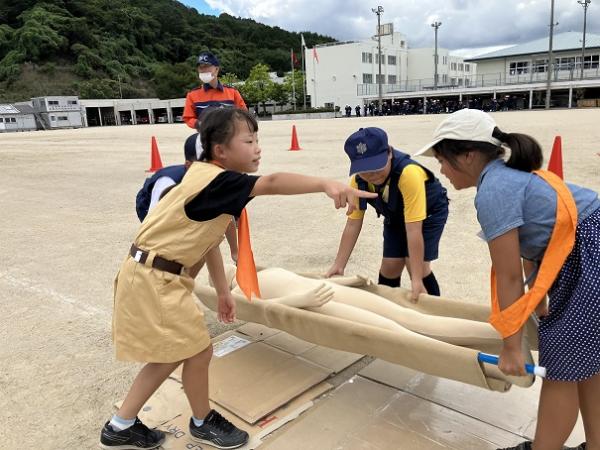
(526, 63)
(18, 117)
(452, 70)
(347, 71)
(58, 111)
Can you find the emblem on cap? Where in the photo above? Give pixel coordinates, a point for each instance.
(361, 148)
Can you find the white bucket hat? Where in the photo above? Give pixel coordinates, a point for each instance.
(463, 125)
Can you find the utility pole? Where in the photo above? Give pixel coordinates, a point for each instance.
(435, 25)
(585, 4)
(550, 57)
(379, 11)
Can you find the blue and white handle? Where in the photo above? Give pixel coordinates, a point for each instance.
(529, 368)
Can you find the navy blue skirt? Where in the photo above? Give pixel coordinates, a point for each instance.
(569, 337)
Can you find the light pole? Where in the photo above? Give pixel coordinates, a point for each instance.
(435, 25)
(585, 4)
(550, 62)
(379, 11)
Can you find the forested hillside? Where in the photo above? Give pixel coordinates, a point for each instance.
(133, 48)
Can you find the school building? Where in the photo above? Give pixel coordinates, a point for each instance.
(343, 73)
(346, 73)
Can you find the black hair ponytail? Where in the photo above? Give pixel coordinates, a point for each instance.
(525, 152)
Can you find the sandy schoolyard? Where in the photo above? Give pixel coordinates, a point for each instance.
(67, 218)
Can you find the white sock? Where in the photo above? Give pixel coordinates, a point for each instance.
(197, 422)
(119, 424)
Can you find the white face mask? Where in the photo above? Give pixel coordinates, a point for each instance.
(205, 77)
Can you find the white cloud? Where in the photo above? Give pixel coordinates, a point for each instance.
(465, 23)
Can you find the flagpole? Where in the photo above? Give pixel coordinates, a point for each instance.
(293, 83)
(303, 45)
(315, 79)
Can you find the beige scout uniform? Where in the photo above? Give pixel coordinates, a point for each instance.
(155, 317)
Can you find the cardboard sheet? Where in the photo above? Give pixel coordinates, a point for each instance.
(362, 414)
(514, 411)
(252, 379)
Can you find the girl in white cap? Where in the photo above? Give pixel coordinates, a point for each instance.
(532, 220)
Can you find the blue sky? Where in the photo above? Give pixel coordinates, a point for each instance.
(466, 24)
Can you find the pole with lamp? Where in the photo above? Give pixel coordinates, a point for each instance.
(379, 11)
(585, 4)
(435, 26)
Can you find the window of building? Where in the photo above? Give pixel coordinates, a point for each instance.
(467, 82)
(63, 118)
(367, 57)
(453, 81)
(53, 102)
(467, 68)
(367, 78)
(564, 63)
(401, 44)
(377, 58)
(13, 120)
(591, 61)
(539, 66)
(518, 68)
(391, 60)
(72, 102)
(445, 78)
(377, 78)
(453, 66)
(460, 67)
(53, 118)
(445, 60)
(1, 120)
(392, 79)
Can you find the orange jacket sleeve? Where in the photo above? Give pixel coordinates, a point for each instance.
(239, 101)
(189, 113)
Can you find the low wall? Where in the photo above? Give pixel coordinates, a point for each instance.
(319, 115)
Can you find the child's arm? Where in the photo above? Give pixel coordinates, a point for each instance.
(416, 255)
(347, 243)
(506, 259)
(226, 305)
(292, 184)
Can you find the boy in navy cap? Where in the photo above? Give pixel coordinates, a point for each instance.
(414, 205)
(156, 186)
(211, 93)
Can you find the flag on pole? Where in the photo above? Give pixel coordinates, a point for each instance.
(294, 59)
(303, 41)
(315, 56)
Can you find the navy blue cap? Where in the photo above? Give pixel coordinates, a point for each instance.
(192, 148)
(367, 149)
(207, 58)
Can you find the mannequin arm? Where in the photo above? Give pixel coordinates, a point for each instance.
(314, 298)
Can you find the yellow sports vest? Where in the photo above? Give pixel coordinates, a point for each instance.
(510, 320)
(168, 232)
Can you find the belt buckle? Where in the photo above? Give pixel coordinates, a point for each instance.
(138, 255)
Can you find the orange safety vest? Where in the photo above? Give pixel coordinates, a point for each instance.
(510, 320)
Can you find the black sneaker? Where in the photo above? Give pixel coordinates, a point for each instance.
(135, 437)
(218, 432)
(522, 446)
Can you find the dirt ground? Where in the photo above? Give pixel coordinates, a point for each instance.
(67, 219)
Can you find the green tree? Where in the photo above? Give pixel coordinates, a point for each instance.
(258, 87)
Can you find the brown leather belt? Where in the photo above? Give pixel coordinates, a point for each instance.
(158, 262)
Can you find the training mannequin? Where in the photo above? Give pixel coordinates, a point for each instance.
(356, 305)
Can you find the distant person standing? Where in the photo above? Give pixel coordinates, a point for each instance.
(357, 109)
(211, 93)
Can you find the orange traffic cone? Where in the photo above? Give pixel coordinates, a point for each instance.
(294, 145)
(155, 161)
(555, 164)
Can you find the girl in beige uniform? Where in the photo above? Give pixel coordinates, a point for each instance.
(155, 319)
